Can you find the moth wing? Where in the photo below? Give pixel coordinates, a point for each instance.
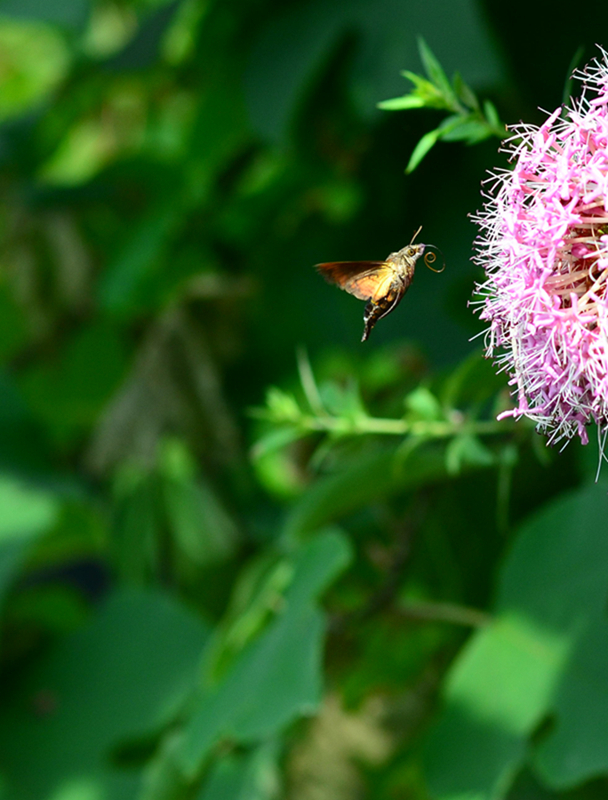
(366, 280)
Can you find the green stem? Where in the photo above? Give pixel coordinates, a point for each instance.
(444, 612)
(435, 429)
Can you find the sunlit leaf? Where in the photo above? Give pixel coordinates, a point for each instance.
(33, 61)
(513, 673)
(25, 514)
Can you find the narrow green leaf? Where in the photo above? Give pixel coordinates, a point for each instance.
(435, 72)
(422, 148)
(402, 103)
(491, 114)
(467, 129)
(465, 93)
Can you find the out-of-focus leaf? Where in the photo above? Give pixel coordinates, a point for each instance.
(202, 527)
(23, 444)
(55, 608)
(468, 129)
(25, 514)
(13, 326)
(138, 525)
(142, 253)
(467, 450)
(369, 479)
(422, 404)
(282, 406)
(145, 47)
(497, 692)
(473, 382)
(531, 660)
(120, 678)
(342, 400)
(162, 778)
(254, 776)
(577, 745)
(219, 132)
(69, 392)
(68, 13)
(277, 677)
(489, 109)
(33, 60)
(275, 440)
(402, 103)
(465, 93)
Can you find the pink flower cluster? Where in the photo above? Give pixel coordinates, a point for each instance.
(544, 247)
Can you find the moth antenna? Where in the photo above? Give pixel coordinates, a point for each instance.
(416, 234)
(430, 258)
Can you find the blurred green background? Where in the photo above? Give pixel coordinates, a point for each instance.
(354, 584)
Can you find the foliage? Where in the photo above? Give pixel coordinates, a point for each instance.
(468, 122)
(241, 554)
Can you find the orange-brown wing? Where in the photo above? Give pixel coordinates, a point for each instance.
(367, 280)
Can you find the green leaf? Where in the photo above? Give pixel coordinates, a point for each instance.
(343, 400)
(69, 392)
(120, 678)
(402, 103)
(162, 779)
(472, 383)
(466, 129)
(275, 440)
(35, 59)
(301, 38)
(576, 748)
(253, 776)
(435, 72)
(553, 588)
(465, 93)
(423, 405)
(467, 450)
(422, 148)
(138, 525)
(368, 480)
(25, 514)
(491, 114)
(497, 692)
(282, 406)
(142, 252)
(201, 526)
(278, 676)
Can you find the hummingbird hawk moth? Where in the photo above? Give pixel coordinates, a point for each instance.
(381, 283)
